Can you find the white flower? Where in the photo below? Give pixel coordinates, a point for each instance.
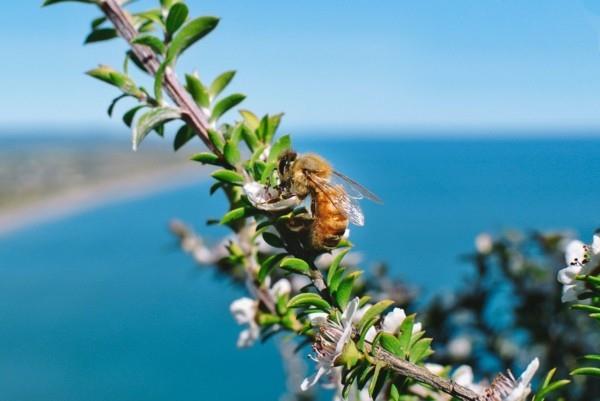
(581, 259)
(435, 368)
(506, 388)
(324, 260)
(330, 341)
(244, 312)
(459, 347)
(484, 243)
(265, 153)
(267, 198)
(391, 324)
(463, 375)
(523, 388)
(280, 288)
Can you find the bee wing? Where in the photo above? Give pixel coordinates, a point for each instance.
(341, 200)
(356, 190)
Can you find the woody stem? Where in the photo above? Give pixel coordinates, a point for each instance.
(191, 113)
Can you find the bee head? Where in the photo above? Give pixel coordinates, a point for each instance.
(286, 160)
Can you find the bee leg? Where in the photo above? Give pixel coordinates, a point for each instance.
(300, 223)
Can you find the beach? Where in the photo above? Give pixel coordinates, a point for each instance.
(47, 180)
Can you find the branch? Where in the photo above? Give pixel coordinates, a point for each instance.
(424, 376)
(399, 365)
(192, 114)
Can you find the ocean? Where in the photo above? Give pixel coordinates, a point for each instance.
(103, 305)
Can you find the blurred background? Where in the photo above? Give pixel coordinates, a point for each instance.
(465, 117)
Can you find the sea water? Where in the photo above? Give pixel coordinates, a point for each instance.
(104, 306)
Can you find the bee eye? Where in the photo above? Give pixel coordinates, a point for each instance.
(282, 166)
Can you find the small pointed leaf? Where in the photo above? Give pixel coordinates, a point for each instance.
(150, 120)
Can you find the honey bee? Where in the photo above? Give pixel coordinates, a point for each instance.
(333, 205)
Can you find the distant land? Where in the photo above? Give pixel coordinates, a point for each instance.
(48, 176)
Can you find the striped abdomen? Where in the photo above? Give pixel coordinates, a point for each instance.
(329, 223)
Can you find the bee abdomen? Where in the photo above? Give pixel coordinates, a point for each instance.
(330, 223)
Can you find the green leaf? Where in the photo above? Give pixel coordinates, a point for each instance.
(226, 104)
(154, 15)
(295, 265)
(268, 265)
(228, 176)
(197, 90)
(284, 143)
(377, 381)
(420, 350)
(263, 128)
(231, 153)
(391, 344)
(150, 41)
(587, 308)
(373, 312)
(250, 119)
(51, 2)
(220, 83)
(309, 299)
(273, 240)
(236, 214)
(206, 158)
(159, 80)
(190, 34)
(178, 13)
(588, 371)
(272, 127)
(113, 77)
(131, 56)
(166, 4)
(335, 265)
(548, 377)
(100, 35)
(344, 290)
(98, 21)
(150, 120)
(130, 115)
(216, 139)
(549, 389)
(394, 393)
(183, 136)
(265, 175)
(249, 137)
(405, 332)
(114, 103)
(592, 357)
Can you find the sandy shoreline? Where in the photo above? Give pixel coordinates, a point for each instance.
(79, 200)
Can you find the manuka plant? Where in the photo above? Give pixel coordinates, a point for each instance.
(365, 346)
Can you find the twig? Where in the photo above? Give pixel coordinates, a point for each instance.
(192, 114)
(424, 376)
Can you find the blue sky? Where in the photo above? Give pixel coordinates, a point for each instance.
(353, 64)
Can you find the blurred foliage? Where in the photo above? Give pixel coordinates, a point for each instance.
(509, 310)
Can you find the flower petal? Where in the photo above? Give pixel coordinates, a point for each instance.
(575, 252)
(568, 274)
(596, 243)
(281, 287)
(243, 310)
(317, 318)
(463, 375)
(371, 333)
(393, 320)
(350, 311)
(267, 198)
(245, 339)
(523, 388)
(434, 368)
(312, 380)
